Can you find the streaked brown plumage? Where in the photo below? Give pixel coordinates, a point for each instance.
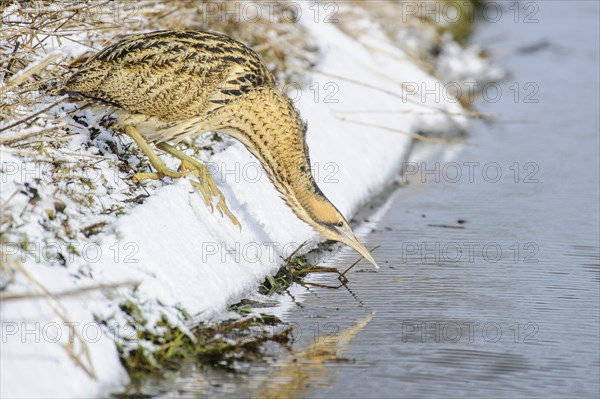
(169, 85)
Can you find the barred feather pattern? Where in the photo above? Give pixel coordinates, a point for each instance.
(173, 84)
(171, 75)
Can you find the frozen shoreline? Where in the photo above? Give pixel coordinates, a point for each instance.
(187, 258)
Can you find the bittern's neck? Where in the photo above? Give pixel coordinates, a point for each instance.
(270, 127)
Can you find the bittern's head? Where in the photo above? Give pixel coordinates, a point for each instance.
(328, 221)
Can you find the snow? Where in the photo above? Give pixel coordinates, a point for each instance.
(185, 257)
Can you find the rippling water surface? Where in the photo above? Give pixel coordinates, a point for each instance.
(487, 288)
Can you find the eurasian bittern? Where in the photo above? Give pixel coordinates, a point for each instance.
(165, 86)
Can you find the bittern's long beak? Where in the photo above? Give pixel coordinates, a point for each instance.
(350, 239)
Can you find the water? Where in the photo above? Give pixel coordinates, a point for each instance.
(486, 288)
(489, 288)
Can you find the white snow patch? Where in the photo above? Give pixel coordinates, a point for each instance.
(184, 256)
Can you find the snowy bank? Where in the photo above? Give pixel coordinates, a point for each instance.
(170, 255)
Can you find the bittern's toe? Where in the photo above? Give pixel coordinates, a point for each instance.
(204, 189)
(207, 187)
(140, 176)
(222, 205)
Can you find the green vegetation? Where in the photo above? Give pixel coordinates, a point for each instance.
(292, 272)
(150, 352)
(221, 345)
(462, 29)
(150, 349)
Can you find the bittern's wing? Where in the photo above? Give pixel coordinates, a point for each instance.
(171, 75)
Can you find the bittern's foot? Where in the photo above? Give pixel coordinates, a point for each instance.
(206, 185)
(161, 169)
(166, 172)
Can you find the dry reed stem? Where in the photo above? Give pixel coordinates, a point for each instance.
(83, 358)
(415, 136)
(68, 293)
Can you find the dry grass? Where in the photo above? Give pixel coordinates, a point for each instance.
(423, 22)
(76, 348)
(43, 42)
(32, 70)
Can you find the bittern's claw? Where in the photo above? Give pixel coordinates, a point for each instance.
(140, 176)
(208, 190)
(202, 186)
(207, 187)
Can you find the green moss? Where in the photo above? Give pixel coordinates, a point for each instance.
(292, 272)
(24, 243)
(220, 345)
(72, 250)
(462, 29)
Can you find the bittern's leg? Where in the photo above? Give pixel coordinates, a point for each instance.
(207, 186)
(161, 168)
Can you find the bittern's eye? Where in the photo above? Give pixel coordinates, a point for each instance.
(340, 224)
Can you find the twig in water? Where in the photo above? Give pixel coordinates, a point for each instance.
(342, 276)
(289, 258)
